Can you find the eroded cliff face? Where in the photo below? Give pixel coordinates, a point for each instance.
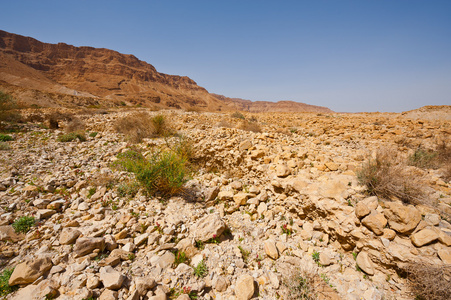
(109, 75)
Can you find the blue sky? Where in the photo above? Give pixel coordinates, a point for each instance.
(359, 55)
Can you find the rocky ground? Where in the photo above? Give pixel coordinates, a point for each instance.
(261, 207)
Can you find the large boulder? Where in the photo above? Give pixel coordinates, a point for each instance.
(401, 218)
(86, 245)
(30, 270)
(208, 227)
(375, 222)
(424, 237)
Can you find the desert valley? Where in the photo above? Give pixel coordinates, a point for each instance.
(120, 182)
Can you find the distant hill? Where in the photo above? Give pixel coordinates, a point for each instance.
(65, 75)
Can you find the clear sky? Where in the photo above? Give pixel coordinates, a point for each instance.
(348, 55)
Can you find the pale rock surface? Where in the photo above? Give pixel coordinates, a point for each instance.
(244, 288)
(111, 278)
(28, 271)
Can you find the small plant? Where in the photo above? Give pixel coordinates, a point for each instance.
(24, 224)
(93, 134)
(213, 240)
(244, 253)
(287, 230)
(199, 245)
(130, 188)
(354, 254)
(315, 256)
(4, 146)
(5, 288)
(5, 138)
(201, 269)
(325, 278)
(180, 257)
(131, 256)
(158, 228)
(72, 136)
(91, 192)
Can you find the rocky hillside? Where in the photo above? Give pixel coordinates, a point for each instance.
(266, 215)
(49, 73)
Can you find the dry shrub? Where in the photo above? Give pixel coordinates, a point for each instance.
(429, 281)
(434, 159)
(298, 284)
(250, 126)
(141, 125)
(224, 123)
(75, 125)
(388, 176)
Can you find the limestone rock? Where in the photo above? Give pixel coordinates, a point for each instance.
(271, 249)
(86, 245)
(27, 272)
(282, 171)
(69, 235)
(365, 263)
(244, 288)
(7, 233)
(424, 236)
(445, 255)
(375, 222)
(362, 210)
(109, 295)
(208, 227)
(144, 284)
(111, 278)
(401, 218)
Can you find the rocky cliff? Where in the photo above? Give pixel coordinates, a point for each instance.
(109, 77)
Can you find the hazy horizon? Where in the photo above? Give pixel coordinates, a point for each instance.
(350, 56)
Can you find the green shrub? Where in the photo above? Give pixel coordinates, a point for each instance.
(201, 269)
(93, 134)
(24, 224)
(72, 136)
(315, 256)
(5, 288)
(238, 115)
(164, 172)
(5, 138)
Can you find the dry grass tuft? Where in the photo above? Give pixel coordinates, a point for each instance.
(75, 125)
(298, 284)
(429, 281)
(434, 159)
(141, 125)
(250, 126)
(388, 176)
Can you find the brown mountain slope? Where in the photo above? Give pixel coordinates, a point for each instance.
(106, 75)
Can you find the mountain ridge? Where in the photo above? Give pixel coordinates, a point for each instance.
(108, 76)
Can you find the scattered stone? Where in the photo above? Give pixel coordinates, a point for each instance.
(111, 278)
(244, 288)
(208, 227)
(27, 272)
(365, 263)
(271, 249)
(424, 237)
